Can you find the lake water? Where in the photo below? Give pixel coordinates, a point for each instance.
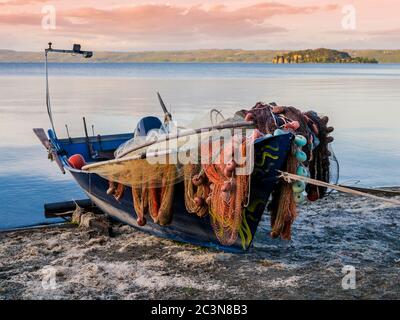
(362, 101)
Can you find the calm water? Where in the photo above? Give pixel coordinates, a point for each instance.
(362, 101)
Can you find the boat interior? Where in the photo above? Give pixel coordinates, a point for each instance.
(101, 147)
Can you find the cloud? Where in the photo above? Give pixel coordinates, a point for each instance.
(168, 20)
(21, 2)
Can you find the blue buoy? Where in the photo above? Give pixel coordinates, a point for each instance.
(279, 132)
(301, 171)
(298, 186)
(300, 156)
(300, 140)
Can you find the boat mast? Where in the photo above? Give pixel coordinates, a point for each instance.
(75, 50)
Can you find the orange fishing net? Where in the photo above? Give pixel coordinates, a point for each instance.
(228, 197)
(155, 199)
(196, 190)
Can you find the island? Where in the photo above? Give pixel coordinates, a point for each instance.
(321, 55)
(206, 56)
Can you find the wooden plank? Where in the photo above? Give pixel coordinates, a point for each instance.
(379, 192)
(66, 208)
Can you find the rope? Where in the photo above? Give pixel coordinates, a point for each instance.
(288, 177)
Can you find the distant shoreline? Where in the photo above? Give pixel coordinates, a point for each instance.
(190, 56)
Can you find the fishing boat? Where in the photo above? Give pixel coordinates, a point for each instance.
(85, 157)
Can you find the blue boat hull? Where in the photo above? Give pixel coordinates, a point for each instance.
(270, 156)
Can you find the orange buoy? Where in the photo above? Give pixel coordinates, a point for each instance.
(76, 161)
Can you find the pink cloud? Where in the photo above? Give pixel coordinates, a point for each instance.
(168, 20)
(21, 2)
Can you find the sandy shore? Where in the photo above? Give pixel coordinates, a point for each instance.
(328, 235)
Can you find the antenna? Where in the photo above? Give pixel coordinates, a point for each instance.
(168, 116)
(76, 49)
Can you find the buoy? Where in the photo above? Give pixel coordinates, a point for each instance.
(199, 201)
(231, 165)
(197, 180)
(312, 196)
(294, 125)
(298, 197)
(279, 132)
(249, 117)
(300, 140)
(300, 156)
(256, 134)
(77, 161)
(298, 186)
(301, 171)
(141, 222)
(228, 173)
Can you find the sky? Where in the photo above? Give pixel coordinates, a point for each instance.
(141, 25)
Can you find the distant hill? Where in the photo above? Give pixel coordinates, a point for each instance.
(321, 55)
(209, 55)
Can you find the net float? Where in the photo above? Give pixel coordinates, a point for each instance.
(294, 125)
(141, 221)
(279, 132)
(300, 156)
(228, 173)
(329, 139)
(231, 165)
(197, 180)
(312, 196)
(199, 201)
(249, 117)
(300, 140)
(77, 161)
(298, 186)
(301, 171)
(299, 197)
(330, 129)
(256, 134)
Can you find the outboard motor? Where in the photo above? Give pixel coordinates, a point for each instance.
(147, 124)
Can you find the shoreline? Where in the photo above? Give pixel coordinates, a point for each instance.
(328, 235)
(199, 55)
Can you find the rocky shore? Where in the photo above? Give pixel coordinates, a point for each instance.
(70, 262)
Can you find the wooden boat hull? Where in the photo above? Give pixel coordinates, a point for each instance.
(270, 155)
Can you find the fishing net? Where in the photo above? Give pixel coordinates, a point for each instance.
(212, 156)
(143, 159)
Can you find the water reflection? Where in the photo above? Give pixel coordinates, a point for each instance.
(361, 101)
